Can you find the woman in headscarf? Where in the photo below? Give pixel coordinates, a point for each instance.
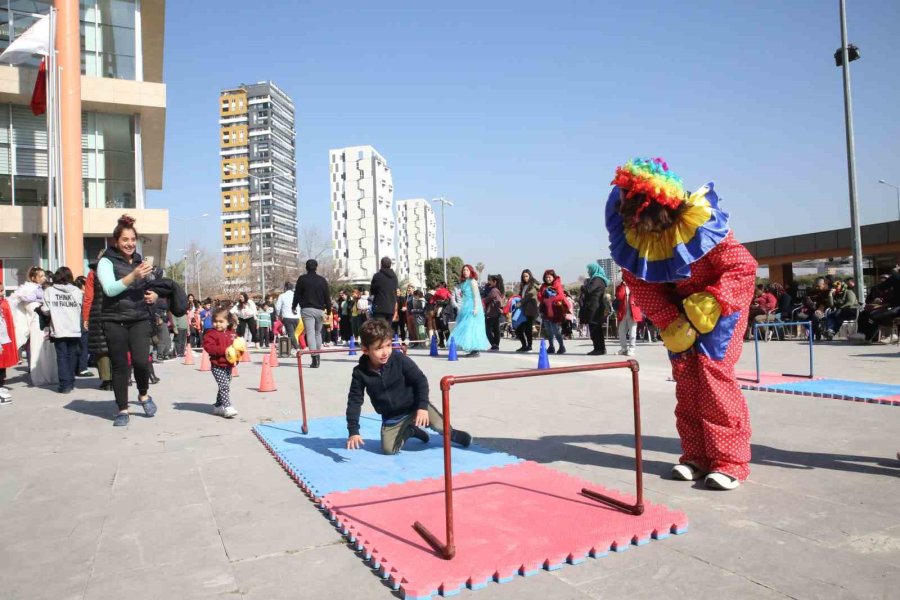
(592, 311)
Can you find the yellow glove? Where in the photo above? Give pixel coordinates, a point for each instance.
(231, 355)
(703, 311)
(679, 336)
(239, 344)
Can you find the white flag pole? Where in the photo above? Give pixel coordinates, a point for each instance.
(53, 224)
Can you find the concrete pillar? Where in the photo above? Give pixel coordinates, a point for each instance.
(68, 44)
(783, 274)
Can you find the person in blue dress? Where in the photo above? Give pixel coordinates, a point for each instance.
(470, 333)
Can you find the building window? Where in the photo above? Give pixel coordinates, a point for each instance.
(108, 39)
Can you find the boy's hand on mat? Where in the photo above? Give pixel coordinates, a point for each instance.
(421, 418)
(355, 442)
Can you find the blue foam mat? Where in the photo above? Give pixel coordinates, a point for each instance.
(324, 464)
(840, 387)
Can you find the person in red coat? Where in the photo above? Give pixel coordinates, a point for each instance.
(553, 308)
(628, 315)
(225, 350)
(9, 350)
(695, 282)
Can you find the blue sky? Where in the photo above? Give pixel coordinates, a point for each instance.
(520, 111)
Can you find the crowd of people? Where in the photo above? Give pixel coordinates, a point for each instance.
(830, 304)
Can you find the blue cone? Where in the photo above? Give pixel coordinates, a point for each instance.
(434, 348)
(543, 359)
(451, 352)
(352, 346)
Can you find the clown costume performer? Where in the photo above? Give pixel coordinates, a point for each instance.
(695, 282)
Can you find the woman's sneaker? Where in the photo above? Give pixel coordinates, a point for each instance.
(229, 412)
(219, 410)
(121, 420)
(686, 472)
(721, 481)
(4, 394)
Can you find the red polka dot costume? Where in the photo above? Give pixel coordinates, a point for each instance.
(695, 282)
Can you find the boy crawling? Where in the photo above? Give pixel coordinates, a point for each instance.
(398, 390)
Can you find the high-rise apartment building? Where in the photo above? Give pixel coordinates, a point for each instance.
(258, 186)
(416, 239)
(123, 123)
(362, 212)
(611, 268)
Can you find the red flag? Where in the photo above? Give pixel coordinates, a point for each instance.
(39, 95)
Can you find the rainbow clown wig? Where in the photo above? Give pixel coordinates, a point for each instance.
(664, 255)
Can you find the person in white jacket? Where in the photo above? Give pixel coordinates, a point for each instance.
(62, 302)
(245, 311)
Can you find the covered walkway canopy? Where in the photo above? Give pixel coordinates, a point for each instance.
(880, 244)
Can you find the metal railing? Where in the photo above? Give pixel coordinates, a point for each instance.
(448, 550)
(308, 352)
(758, 326)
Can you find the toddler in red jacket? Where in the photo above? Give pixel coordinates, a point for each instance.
(225, 350)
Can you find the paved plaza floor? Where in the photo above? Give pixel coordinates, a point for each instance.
(187, 505)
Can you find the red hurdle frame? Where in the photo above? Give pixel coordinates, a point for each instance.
(308, 352)
(448, 550)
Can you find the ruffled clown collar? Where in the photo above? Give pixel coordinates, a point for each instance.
(667, 256)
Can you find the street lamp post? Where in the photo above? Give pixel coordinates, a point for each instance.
(896, 187)
(444, 203)
(197, 271)
(843, 58)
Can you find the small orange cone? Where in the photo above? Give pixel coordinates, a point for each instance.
(204, 362)
(245, 357)
(234, 371)
(266, 383)
(188, 355)
(273, 357)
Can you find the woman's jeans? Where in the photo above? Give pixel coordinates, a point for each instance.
(493, 331)
(244, 324)
(627, 333)
(553, 331)
(525, 332)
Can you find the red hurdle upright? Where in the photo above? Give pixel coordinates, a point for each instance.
(308, 352)
(448, 550)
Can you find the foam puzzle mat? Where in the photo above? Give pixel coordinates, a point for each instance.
(512, 517)
(323, 465)
(839, 389)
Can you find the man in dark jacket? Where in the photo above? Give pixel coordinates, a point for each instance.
(313, 296)
(383, 292)
(398, 390)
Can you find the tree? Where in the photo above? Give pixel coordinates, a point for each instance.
(176, 272)
(479, 266)
(434, 271)
(454, 268)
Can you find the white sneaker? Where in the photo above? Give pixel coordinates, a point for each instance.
(4, 394)
(721, 481)
(622, 352)
(629, 352)
(686, 472)
(4, 389)
(219, 411)
(229, 412)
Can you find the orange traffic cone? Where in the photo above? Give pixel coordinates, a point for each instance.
(266, 382)
(273, 357)
(188, 355)
(245, 357)
(234, 371)
(204, 362)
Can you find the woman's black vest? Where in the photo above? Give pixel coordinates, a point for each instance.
(129, 306)
(96, 337)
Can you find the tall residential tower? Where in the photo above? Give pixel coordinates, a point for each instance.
(258, 187)
(362, 215)
(417, 239)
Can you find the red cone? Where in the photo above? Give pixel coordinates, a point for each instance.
(188, 355)
(204, 362)
(266, 382)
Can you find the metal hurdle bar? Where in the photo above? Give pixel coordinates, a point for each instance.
(308, 352)
(758, 326)
(448, 550)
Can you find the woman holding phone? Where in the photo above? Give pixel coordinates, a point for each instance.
(125, 314)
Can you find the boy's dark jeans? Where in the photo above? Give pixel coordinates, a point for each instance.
(394, 436)
(67, 351)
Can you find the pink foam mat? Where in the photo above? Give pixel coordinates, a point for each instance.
(748, 378)
(510, 520)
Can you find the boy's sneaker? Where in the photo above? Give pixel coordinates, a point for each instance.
(229, 412)
(622, 352)
(419, 433)
(85, 373)
(629, 352)
(460, 437)
(219, 410)
(121, 420)
(721, 481)
(686, 472)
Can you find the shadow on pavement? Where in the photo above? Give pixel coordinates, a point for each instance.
(562, 448)
(98, 408)
(193, 406)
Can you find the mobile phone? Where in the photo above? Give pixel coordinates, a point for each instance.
(149, 261)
